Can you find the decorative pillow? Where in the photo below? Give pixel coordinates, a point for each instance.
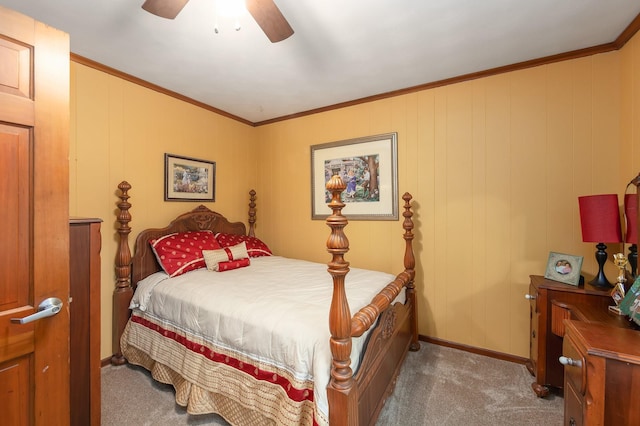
(255, 247)
(182, 251)
(233, 264)
(213, 258)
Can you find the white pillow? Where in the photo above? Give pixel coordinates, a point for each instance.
(213, 257)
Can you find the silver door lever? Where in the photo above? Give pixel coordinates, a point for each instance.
(49, 307)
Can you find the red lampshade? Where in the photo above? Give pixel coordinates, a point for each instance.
(631, 216)
(600, 218)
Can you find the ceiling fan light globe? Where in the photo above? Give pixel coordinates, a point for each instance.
(231, 8)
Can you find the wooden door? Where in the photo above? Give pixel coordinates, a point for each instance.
(34, 214)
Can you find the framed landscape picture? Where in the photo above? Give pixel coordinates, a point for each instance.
(189, 179)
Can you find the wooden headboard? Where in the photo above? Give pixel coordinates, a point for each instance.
(144, 262)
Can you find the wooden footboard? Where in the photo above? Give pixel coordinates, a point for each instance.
(358, 400)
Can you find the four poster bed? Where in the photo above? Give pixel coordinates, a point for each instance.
(252, 343)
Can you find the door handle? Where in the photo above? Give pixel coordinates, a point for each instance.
(49, 307)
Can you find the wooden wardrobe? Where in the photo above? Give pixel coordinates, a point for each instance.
(84, 308)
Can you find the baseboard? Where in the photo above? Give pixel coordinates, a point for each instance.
(473, 349)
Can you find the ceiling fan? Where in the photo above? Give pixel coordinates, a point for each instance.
(265, 13)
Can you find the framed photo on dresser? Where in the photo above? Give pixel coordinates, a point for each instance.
(564, 268)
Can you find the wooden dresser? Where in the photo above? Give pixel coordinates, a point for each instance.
(602, 374)
(84, 312)
(548, 306)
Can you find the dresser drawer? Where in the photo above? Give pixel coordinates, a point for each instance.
(572, 406)
(575, 368)
(559, 313)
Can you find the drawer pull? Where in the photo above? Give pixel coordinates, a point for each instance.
(529, 296)
(568, 361)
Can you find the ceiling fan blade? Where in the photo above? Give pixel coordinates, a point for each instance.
(164, 8)
(270, 19)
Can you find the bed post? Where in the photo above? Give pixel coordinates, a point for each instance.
(341, 393)
(122, 293)
(252, 213)
(409, 267)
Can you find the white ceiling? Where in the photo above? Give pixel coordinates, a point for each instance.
(342, 50)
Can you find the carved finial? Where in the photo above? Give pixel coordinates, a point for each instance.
(335, 186)
(338, 243)
(124, 186)
(252, 212)
(124, 217)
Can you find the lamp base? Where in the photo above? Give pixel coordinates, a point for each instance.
(601, 257)
(633, 259)
(600, 281)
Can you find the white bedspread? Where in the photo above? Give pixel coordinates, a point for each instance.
(276, 312)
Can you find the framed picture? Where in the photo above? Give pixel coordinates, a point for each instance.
(564, 268)
(189, 179)
(368, 167)
(630, 304)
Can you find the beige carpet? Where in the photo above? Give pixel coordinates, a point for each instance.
(437, 386)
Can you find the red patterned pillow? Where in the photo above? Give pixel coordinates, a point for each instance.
(182, 252)
(233, 264)
(255, 247)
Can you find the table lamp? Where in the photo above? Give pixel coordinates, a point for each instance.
(631, 235)
(600, 221)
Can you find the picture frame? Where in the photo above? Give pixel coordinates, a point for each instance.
(368, 166)
(630, 304)
(564, 268)
(618, 293)
(189, 179)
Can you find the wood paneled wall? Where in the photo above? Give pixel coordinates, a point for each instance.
(121, 131)
(495, 166)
